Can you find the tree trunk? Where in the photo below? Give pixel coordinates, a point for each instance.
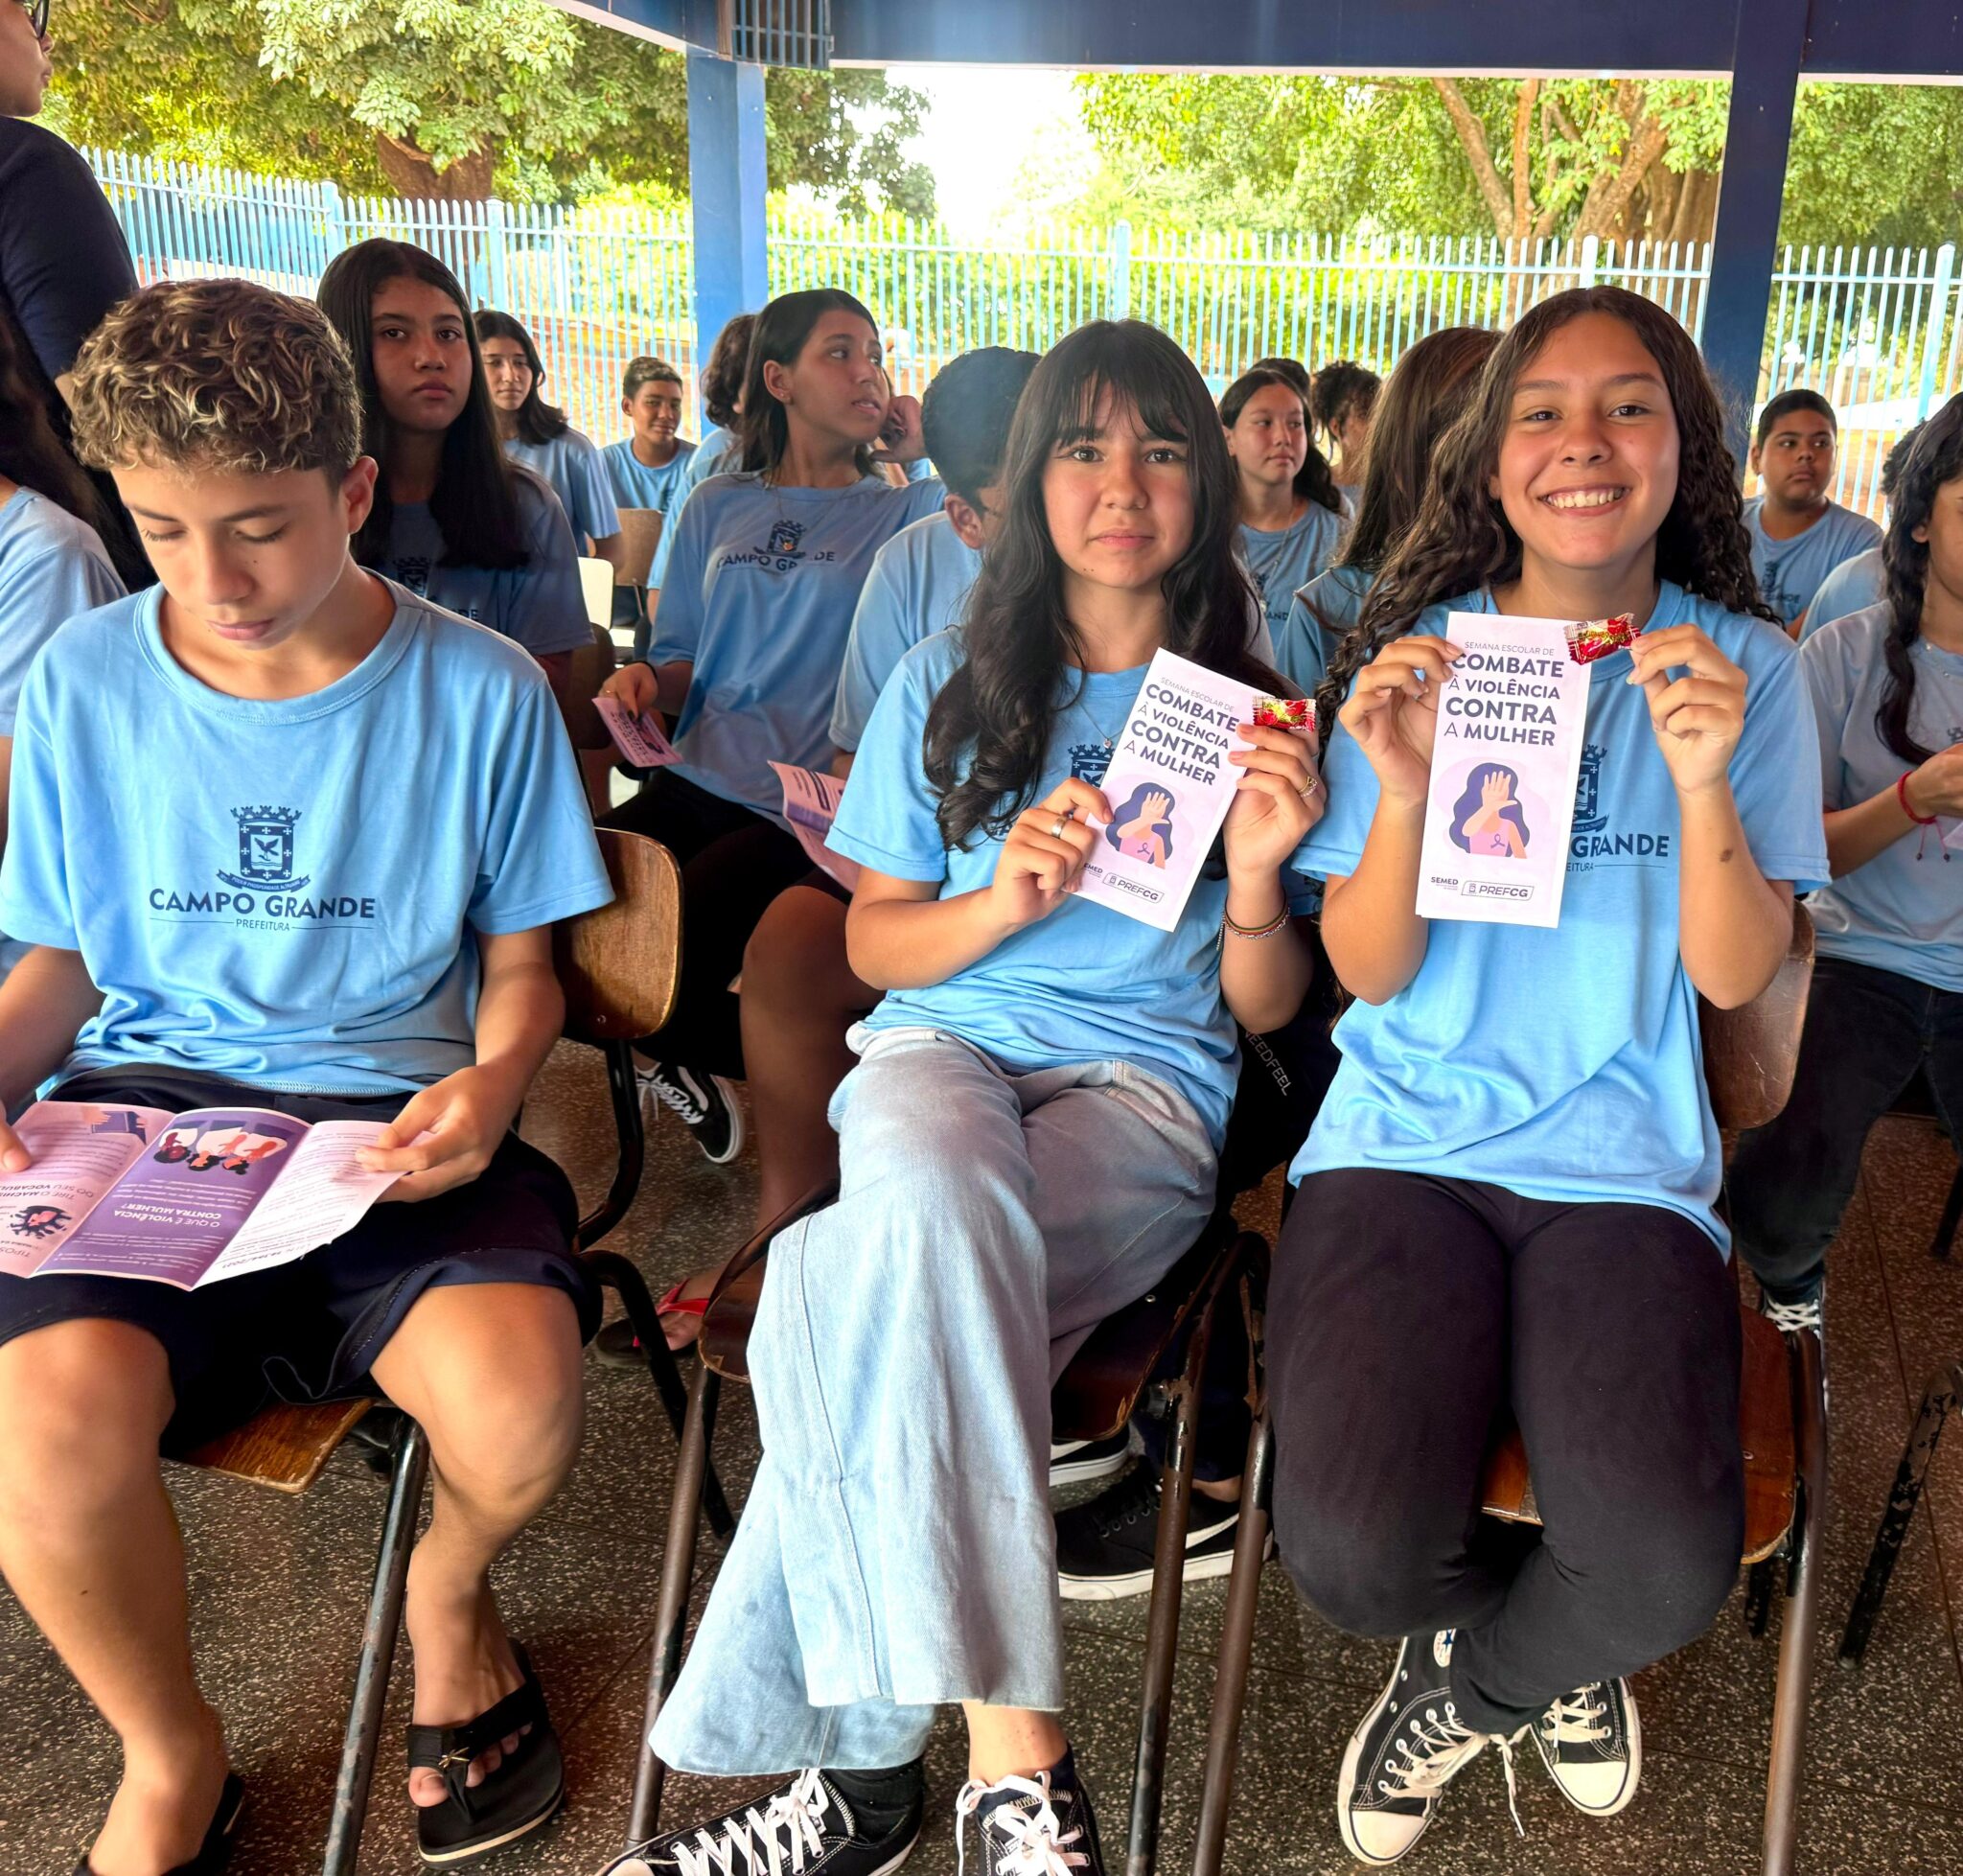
(1696, 215)
(1472, 140)
(412, 173)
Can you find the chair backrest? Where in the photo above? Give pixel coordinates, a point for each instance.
(596, 589)
(590, 666)
(641, 534)
(618, 966)
(1752, 1053)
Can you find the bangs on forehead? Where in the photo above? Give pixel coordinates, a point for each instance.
(1135, 384)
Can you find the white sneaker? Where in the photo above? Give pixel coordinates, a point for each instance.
(1591, 1742)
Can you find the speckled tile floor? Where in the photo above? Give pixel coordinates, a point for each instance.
(278, 1585)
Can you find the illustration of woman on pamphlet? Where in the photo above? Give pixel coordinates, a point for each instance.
(1142, 827)
(37, 1221)
(1488, 819)
(174, 1144)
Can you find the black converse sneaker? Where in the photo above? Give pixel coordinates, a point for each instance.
(807, 1827)
(1076, 1462)
(1410, 1747)
(1806, 1311)
(1591, 1744)
(707, 1103)
(1105, 1546)
(1042, 1825)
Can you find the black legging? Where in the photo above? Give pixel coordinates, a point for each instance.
(1406, 1312)
(734, 861)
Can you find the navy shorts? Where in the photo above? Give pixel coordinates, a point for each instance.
(311, 1330)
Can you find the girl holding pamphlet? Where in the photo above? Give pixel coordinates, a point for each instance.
(1887, 991)
(764, 576)
(1027, 1144)
(1291, 512)
(454, 519)
(537, 435)
(1506, 1199)
(1423, 399)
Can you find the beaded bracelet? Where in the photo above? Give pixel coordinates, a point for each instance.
(1268, 930)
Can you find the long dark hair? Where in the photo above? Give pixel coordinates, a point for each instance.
(31, 454)
(782, 328)
(538, 422)
(1313, 481)
(722, 378)
(475, 502)
(1461, 539)
(1935, 461)
(989, 729)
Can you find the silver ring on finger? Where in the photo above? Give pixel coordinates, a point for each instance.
(1063, 820)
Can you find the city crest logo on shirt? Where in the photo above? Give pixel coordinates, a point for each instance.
(1589, 839)
(1088, 761)
(781, 552)
(268, 892)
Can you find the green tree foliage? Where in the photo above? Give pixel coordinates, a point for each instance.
(448, 98)
(1521, 158)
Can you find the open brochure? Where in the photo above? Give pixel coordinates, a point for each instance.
(1505, 762)
(811, 804)
(1169, 785)
(184, 1199)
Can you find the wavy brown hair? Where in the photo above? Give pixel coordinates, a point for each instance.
(1461, 539)
(722, 378)
(31, 453)
(1935, 461)
(988, 731)
(1313, 481)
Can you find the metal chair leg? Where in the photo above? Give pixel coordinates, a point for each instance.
(1799, 1616)
(1941, 1395)
(1236, 1649)
(377, 1651)
(671, 1608)
(1953, 1216)
(1169, 1585)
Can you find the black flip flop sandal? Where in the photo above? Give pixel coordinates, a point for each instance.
(528, 1786)
(216, 1851)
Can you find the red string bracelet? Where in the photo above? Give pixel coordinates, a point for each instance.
(1902, 796)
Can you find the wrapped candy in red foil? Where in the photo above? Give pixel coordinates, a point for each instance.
(1284, 713)
(1591, 638)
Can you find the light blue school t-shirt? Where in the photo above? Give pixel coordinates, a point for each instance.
(539, 606)
(1852, 587)
(919, 585)
(1790, 572)
(759, 599)
(1285, 560)
(287, 893)
(1084, 985)
(52, 567)
(1320, 617)
(635, 485)
(1903, 910)
(571, 467)
(1566, 1064)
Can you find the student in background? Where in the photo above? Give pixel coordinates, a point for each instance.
(722, 377)
(1887, 990)
(1027, 1144)
(419, 770)
(53, 564)
(765, 573)
(1508, 1198)
(1291, 514)
(1799, 533)
(1342, 397)
(1430, 387)
(537, 435)
(454, 519)
(648, 467)
(799, 994)
(1857, 584)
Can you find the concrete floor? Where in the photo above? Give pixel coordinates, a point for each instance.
(278, 1587)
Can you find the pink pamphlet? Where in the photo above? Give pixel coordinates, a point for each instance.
(811, 804)
(1169, 785)
(639, 738)
(1503, 765)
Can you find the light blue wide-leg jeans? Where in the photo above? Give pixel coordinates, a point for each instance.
(896, 1551)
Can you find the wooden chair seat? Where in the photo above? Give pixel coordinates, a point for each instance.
(281, 1447)
(1764, 1429)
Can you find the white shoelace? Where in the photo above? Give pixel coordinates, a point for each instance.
(1792, 1317)
(1039, 1845)
(1581, 1719)
(778, 1841)
(1438, 1749)
(669, 1095)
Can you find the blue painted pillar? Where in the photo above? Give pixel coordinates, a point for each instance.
(727, 176)
(1764, 79)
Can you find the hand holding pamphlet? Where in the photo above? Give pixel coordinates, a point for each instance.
(1504, 760)
(811, 804)
(183, 1199)
(639, 738)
